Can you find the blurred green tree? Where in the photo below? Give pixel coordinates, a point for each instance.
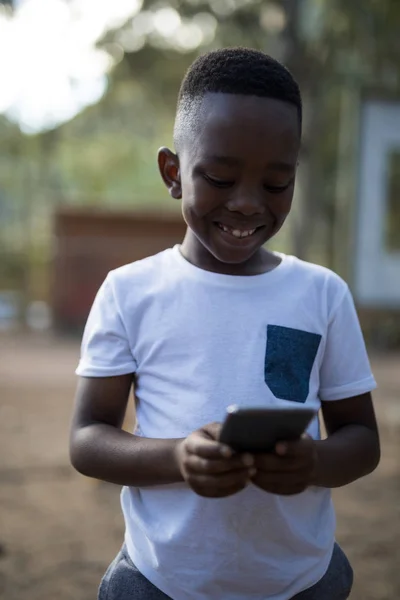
(107, 153)
(328, 44)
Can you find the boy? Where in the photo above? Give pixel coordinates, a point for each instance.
(221, 320)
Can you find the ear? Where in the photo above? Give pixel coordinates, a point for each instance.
(168, 163)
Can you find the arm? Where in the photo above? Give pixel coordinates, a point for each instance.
(352, 448)
(99, 448)
(350, 451)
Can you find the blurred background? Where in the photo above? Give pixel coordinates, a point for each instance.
(87, 95)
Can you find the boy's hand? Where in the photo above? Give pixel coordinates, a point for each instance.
(290, 470)
(210, 468)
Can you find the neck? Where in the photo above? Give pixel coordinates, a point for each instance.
(194, 252)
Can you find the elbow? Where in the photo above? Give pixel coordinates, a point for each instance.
(375, 453)
(76, 459)
(377, 457)
(78, 453)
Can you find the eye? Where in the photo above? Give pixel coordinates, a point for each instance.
(219, 183)
(278, 189)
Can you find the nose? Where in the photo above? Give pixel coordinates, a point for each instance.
(246, 203)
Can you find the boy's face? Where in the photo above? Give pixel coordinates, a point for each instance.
(235, 175)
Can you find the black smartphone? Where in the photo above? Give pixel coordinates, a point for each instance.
(259, 429)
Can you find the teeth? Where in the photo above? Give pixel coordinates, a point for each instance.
(237, 232)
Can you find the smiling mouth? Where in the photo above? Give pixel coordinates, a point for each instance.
(237, 233)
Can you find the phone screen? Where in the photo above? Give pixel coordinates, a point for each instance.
(260, 429)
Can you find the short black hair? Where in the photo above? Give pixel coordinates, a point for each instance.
(235, 71)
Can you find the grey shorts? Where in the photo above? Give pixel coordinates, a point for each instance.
(123, 581)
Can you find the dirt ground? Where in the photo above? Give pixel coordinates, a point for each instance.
(58, 530)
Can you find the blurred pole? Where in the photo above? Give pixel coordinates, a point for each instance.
(295, 61)
(344, 221)
(291, 33)
(27, 214)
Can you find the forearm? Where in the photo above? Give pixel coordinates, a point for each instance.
(110, 454)
(348, 454)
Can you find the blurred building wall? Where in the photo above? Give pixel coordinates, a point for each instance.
(377, 256)
(89, 243)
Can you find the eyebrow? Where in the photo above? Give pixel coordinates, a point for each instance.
(282, 167)
(279, 166)
(224, 160)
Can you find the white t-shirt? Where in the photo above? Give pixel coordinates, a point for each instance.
(198, 342)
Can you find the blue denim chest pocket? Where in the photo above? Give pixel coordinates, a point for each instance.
(289, 359)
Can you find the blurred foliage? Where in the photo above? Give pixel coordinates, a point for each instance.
(107, 154)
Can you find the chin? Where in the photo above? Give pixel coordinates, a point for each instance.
(237, 257)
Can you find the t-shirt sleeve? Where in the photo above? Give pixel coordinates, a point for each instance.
(105, 350)
(345, 371)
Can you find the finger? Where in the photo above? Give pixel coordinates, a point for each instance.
(294, 448)
(274, 464)
(221, 493)
(294, 477)
(278, 486)
(197, 464)
(207, 448)
(281, 448)
(288, 490)
(268, 462)
(288, 448)
(221, 482)
(271, 463)
(212, 430)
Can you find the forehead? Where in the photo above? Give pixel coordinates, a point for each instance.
(247, 126)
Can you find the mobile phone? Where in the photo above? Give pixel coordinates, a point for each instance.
(259, 429)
